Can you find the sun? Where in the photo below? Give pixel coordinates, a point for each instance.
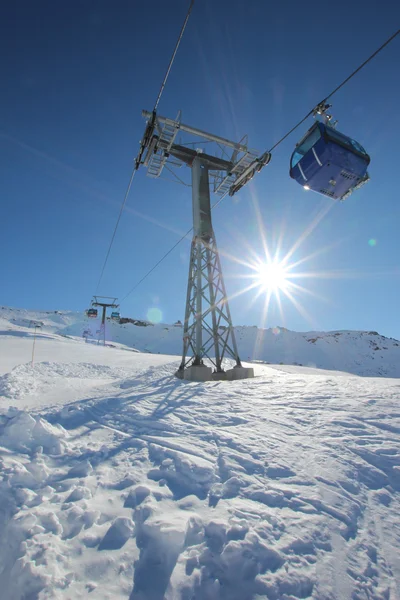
(275, 275)
(272, 276)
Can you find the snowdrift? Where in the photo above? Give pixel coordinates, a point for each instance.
(120, 481)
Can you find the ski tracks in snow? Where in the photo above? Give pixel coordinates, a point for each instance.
(285, 486)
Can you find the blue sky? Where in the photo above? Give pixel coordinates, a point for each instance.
(76, 78)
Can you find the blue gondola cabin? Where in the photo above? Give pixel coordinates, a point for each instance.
(115, 316)
(328, 162)
(92, 313)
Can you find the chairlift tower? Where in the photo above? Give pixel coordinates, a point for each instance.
(102, 301)
(208, 332)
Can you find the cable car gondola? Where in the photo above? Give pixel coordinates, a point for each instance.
(92, 313)
(115, 316)
(329, 162)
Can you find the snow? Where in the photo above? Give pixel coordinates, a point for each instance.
(358, 352)
(120, 481)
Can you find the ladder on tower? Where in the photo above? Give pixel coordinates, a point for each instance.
(165, 140)
(223, 183)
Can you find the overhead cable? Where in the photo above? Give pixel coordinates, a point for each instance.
(273, 148)
(144, 141)
(164, 256)
(336, 89)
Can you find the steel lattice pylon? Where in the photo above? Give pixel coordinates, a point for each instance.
(208, 329)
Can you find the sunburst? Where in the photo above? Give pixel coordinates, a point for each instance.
(272, 276)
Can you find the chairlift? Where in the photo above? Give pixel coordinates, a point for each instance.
(36, 324)
(329, 162)
(115, 316)
(91, 313)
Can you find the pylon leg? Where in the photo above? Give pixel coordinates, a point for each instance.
(210, 272)
(188, 311)
(208, 331)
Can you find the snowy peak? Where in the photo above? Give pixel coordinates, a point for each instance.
(364, 353)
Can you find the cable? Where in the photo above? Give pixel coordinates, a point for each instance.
(179, 180)
(291, 131)
(363, 65)
(165, 256)
(173, 56)
(156, 265)
(115, 229)
(337, 88)
(273, 148)
(145, 138)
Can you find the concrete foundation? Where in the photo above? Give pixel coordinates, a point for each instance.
(239, 373)
(203, 373)
(219, 376)
(196, 373)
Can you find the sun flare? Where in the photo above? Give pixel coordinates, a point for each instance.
(272, 276)
(276, 276)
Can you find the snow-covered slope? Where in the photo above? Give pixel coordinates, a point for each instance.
(119, 481)
(358, 352)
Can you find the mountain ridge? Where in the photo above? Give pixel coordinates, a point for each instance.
(365, 353)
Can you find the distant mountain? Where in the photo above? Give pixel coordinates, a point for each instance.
(360, 352)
